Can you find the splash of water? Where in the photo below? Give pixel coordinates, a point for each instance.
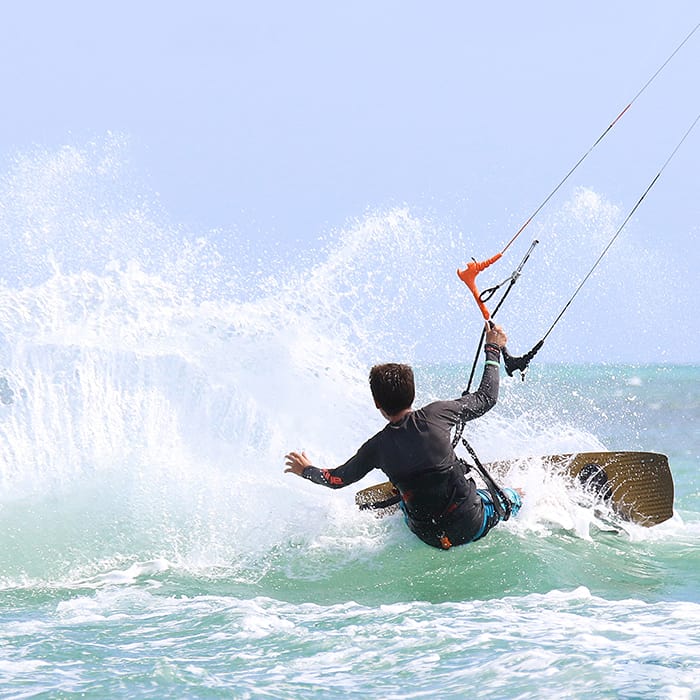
(151, 383)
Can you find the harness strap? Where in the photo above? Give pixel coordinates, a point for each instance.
(501, 502)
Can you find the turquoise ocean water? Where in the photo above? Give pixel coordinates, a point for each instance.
(151, 382)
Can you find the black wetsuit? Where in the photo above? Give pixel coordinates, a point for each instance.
(442, 506)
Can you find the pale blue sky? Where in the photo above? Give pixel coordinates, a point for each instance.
(284, 120)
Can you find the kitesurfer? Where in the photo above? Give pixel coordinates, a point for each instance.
(441, 503)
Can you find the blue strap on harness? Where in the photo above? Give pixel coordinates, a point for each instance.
(491, 518)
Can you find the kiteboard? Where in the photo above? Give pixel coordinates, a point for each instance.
(637, 486)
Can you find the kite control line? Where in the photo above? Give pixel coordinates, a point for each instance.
(521, 363)
(468, 276)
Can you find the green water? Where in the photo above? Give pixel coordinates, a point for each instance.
(110, 590)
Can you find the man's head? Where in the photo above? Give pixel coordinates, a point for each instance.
(392, 387)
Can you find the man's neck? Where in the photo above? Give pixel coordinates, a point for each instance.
(398, 417)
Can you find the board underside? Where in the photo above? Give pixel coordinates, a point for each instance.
(638, 486)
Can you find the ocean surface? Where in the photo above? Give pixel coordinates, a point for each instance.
(151, 381)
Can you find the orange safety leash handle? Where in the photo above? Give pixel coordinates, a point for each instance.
(468, 276)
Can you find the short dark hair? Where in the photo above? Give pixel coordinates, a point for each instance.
(392, 386)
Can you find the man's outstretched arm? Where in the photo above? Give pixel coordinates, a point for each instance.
(350, 472)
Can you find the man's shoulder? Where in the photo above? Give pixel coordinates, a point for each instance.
(438, 406)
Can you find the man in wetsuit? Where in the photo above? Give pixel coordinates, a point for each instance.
(442, 506)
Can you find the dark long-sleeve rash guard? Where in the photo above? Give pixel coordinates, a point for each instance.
(417, 456)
